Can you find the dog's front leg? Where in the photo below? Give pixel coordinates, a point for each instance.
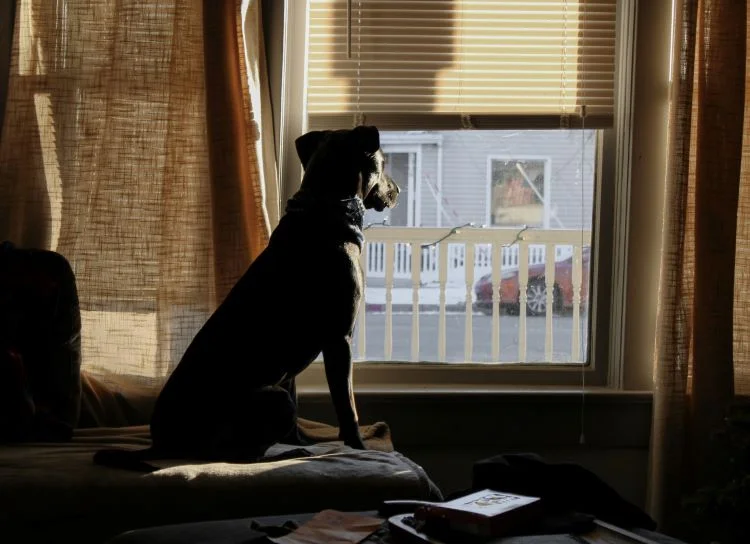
(337, 358)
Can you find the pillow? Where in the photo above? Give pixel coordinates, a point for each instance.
(40, 345)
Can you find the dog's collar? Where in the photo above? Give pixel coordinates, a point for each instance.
(350, 210)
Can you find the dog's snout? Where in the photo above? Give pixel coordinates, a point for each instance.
(393, 186)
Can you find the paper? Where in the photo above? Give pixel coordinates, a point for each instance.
(332, 527)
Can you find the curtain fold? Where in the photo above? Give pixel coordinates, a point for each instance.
(129, 147)
(701, 357)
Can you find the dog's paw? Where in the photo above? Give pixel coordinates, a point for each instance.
(355, 442)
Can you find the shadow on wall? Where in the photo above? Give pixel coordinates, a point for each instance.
(383, 47)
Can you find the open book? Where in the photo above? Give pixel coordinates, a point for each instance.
(483, 514)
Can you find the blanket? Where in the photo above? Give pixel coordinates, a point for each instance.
(123, 402)
(53, 492)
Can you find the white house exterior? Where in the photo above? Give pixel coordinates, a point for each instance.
(511, 179)
(446, 176)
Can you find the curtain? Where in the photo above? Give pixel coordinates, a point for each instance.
(133, 145)
(702, 355)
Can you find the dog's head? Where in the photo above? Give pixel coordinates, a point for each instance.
(343, 164)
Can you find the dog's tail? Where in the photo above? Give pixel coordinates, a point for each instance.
(135, 460)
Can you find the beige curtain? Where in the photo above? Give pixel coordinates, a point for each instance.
(702, 357)
(132, 145)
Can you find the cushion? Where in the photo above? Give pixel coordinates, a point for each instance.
(40, 345)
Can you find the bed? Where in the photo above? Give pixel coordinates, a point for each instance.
(58, 416)
(54, 493)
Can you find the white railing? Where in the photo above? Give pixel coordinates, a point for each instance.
(392, 253)
(428, 260)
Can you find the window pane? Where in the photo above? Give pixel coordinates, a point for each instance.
(528, 196)
(517, 193)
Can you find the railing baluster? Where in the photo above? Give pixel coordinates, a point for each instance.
(416, 254)
(389, 250)
(496, 258)
(577, 280)
(523, 281)
(442, 278)
(361, 338)
(469, 330)
(549, 281)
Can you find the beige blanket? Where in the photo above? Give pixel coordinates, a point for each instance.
(53, 492)
(117, 401)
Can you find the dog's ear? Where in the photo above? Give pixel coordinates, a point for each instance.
(367, 138)
(307, 145)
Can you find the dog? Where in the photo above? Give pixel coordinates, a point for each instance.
(233, 395)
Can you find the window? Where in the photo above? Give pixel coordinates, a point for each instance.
(497, 122)
(517, 192)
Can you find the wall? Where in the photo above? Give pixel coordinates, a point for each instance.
(465, 171)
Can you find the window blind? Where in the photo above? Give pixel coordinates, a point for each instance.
(442, 64)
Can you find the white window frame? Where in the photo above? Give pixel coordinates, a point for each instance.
(610, 227)
(414, 181)
(547, 173)
(388, 140)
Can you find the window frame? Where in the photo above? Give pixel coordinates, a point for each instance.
(414, 191)
(610, 226)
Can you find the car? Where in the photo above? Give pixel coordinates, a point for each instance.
(536, 289)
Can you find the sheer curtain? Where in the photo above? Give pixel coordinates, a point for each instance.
(133, 145)
(702, 356)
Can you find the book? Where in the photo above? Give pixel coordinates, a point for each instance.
(483, 514)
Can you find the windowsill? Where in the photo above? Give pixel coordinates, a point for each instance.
(499, 390)
(497, 418)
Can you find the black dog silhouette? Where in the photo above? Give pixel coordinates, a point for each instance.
(232, 395)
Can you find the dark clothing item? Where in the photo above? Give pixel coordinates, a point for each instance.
(562, 486)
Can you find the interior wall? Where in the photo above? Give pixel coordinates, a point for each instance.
(648, 176)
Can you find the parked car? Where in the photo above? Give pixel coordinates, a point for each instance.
(536, 289)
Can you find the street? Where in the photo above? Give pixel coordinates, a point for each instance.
(482, 338)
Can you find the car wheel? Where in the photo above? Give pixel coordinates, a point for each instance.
(486, 309)
(536, 298)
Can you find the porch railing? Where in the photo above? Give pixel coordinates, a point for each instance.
(393, 253)
(402, 261)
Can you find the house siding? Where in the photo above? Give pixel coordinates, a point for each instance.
(465, 174)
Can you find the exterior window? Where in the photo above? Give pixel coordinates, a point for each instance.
(489, 179)
(496, 121)
(517, 193)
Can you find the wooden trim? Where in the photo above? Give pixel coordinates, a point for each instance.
(7, 23)
(426, 121)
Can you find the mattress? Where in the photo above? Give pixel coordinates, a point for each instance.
(53, 492)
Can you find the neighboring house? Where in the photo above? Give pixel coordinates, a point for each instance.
(503, 178)
(542, 179)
